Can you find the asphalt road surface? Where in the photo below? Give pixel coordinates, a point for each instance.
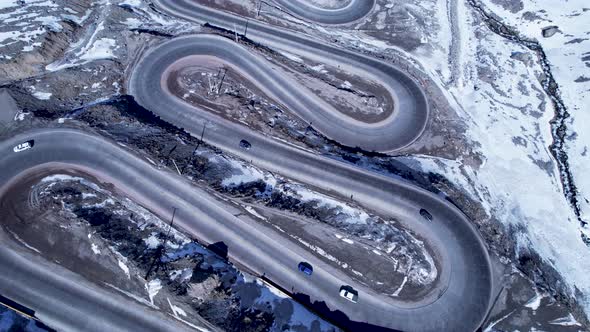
(353, 11)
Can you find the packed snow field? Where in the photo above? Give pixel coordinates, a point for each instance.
(563, 31)
(499, 91)
(496, 86)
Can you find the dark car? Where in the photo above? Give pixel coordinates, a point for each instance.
(425, 214)
(245, 144)
(306, 268)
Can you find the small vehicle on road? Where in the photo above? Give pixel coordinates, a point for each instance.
(24, 146)
(306, 268)
(245, 144)
(425, 214)
(349, 293)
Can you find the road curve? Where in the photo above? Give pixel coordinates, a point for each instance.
(62, 299)
(397, 130)
(460, 301)
(353, 11)
(402, 128)
(69, 303)
(249, 243)
(66, 302)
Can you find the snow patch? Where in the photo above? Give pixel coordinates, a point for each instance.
(152, 241)
(353, 215)
(20, 115)
(95, 249)
(42, 95)
(131, 3)
(153, 287)
(133, 296)
(349, 241)
(399, 289)
(16, 237)
(125, 268)
(568, 320)
(60, 177)
(100, 50)
(535, 302)
(88, 195)
(175, 309)
(253, 212)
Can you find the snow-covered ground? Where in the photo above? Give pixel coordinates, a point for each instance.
(95, 47)
(498, 92)
(22, 24)
(568, 51)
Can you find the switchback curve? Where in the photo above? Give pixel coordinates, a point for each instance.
(353, 11)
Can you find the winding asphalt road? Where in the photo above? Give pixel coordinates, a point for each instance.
(461, 299)
(458, 302)
(251, 244)
(398, 130)
(403, 127)
(354, 10)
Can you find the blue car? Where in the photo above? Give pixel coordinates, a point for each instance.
(425, 214)
(305, 268)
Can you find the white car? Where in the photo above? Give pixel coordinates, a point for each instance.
(24, 146)
(349, 293)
